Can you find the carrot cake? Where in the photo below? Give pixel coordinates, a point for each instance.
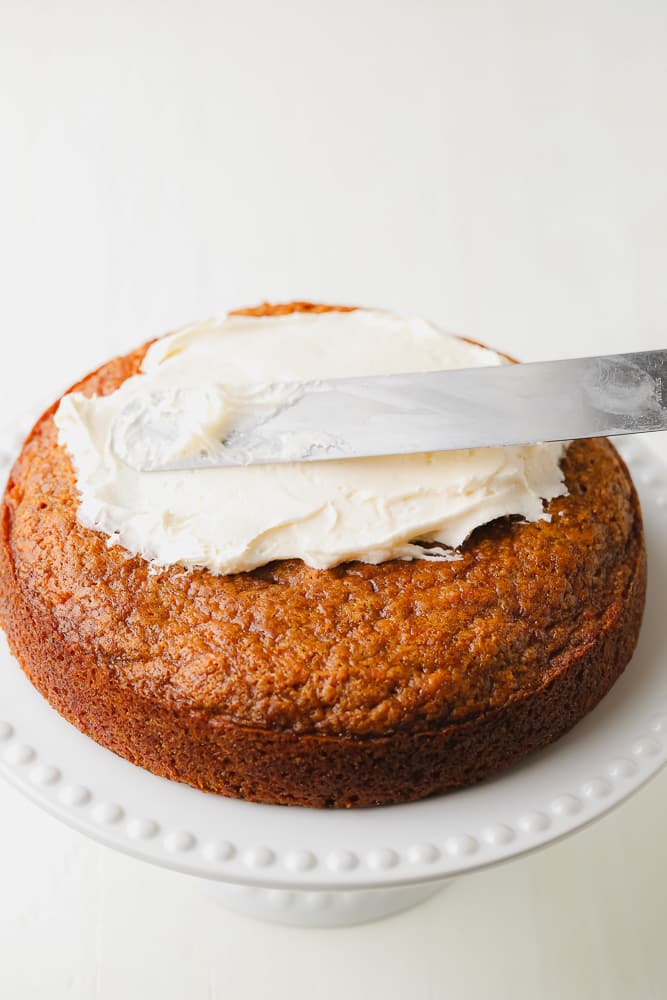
(346, 633)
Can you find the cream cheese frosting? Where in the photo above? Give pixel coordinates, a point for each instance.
(235, 519)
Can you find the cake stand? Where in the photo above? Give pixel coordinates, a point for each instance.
(330, 868)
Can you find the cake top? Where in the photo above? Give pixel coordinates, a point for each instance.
(229, 520)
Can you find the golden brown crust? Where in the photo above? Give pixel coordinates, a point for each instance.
(351, 686)
(286, 308)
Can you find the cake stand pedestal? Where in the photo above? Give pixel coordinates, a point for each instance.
(329, 868)
(324, 908)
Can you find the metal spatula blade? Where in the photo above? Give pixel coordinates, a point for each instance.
(444, 410)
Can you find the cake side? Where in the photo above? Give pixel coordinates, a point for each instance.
(357, 685)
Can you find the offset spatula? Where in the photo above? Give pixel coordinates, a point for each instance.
(443, 410)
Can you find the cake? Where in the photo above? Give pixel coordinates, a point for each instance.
(366, 681)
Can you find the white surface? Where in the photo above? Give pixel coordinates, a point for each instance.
(496, 166)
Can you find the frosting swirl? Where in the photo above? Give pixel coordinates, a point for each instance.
(235, 519)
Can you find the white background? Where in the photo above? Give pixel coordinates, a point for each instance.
(499, 167)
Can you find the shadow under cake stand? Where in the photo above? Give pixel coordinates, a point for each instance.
(337, 867)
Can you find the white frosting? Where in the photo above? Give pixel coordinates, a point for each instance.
(235, 519)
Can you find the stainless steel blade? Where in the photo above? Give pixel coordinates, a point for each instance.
(444, 410)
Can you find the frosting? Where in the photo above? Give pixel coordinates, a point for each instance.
(228, 520)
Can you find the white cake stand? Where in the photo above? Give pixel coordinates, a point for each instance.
(329, 868)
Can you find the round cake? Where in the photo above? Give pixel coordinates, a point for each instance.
(370, 681)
